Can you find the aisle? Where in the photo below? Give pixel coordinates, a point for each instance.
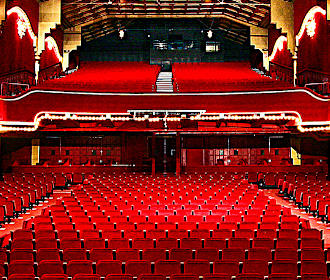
(314, 222)
(36, 210)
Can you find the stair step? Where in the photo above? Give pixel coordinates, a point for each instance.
(164, 82)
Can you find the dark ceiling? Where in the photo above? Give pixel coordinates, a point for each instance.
(102, 17)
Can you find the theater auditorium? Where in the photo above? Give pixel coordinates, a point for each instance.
(164, 140)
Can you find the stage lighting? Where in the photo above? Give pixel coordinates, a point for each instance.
(121, 33)
(209, 33)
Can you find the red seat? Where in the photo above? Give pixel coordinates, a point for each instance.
(70, 243)
(222, 233)
(217, 276)
(216, 243)
(249, 276)
(233, 254)
(136, 268)
(285, 266)
(286, 254)
(70, 254)
(105, 267)
(260, 254)
(151, 277)
(226, 267)
(82, 276)
(117, 243)
(91, 243)
(22, 244)
(282, 276)
(127, 254)
(263, 242)
(166, 243)
(191, 243)
(97, 254)
(314, 276)
(54, 277)
(184, 277)
(313, 266)
(21, 254)
(256, 267)
(80, 266)
(242, 243)
(177, 233)
(136, 233)
(21, 277)
(47, 254)
(180, 254)
(209, 254)
(197, 267)
(155, 233)
(119, 277)
(200, 233)
(21, 267)
(167, 267)
(50, 267)
(43, 243)
(153, 254)
(143, 243)
(312, 254)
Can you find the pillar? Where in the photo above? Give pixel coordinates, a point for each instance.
(178, 155)
(49, 16)
(35, 154)
(153, 156)
(328, 9)
(295, 67)
(72, 40)
(259, 39)
(36, 67)
(2, 10)
(282, 15)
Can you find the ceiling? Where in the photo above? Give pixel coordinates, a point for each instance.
(101, 17)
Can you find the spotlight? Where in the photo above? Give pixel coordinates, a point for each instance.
(121, 33)
(209, 33)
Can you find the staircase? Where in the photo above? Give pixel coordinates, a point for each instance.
(164, 82)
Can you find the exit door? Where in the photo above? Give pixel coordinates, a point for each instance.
(165, 154)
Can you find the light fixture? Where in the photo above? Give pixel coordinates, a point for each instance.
(52, 45)
(121, 33)
(309, 23)
(209, 34)
(279, 45)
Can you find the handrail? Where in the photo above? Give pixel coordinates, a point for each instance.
(15, 84)
(281, 65)
(16, 72)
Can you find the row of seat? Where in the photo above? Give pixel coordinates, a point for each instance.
(154, 254)
(167, 243)
(170, 233)
(197, 267)
(186, 276)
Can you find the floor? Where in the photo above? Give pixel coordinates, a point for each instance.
(35, 211)
(314, 222)
(18, 223)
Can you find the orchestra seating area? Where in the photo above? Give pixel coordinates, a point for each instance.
(309, 193)
(108, 77)
(198, 226)
(19, 193)
(222, 77)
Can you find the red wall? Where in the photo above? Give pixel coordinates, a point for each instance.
(313, 53)
(18, 54)
(49, 63)
(282, 65)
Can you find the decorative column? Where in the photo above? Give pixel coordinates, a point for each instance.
(2, 10)
(35, 152)
(295, 67)
(36, 67)
(178, 155)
